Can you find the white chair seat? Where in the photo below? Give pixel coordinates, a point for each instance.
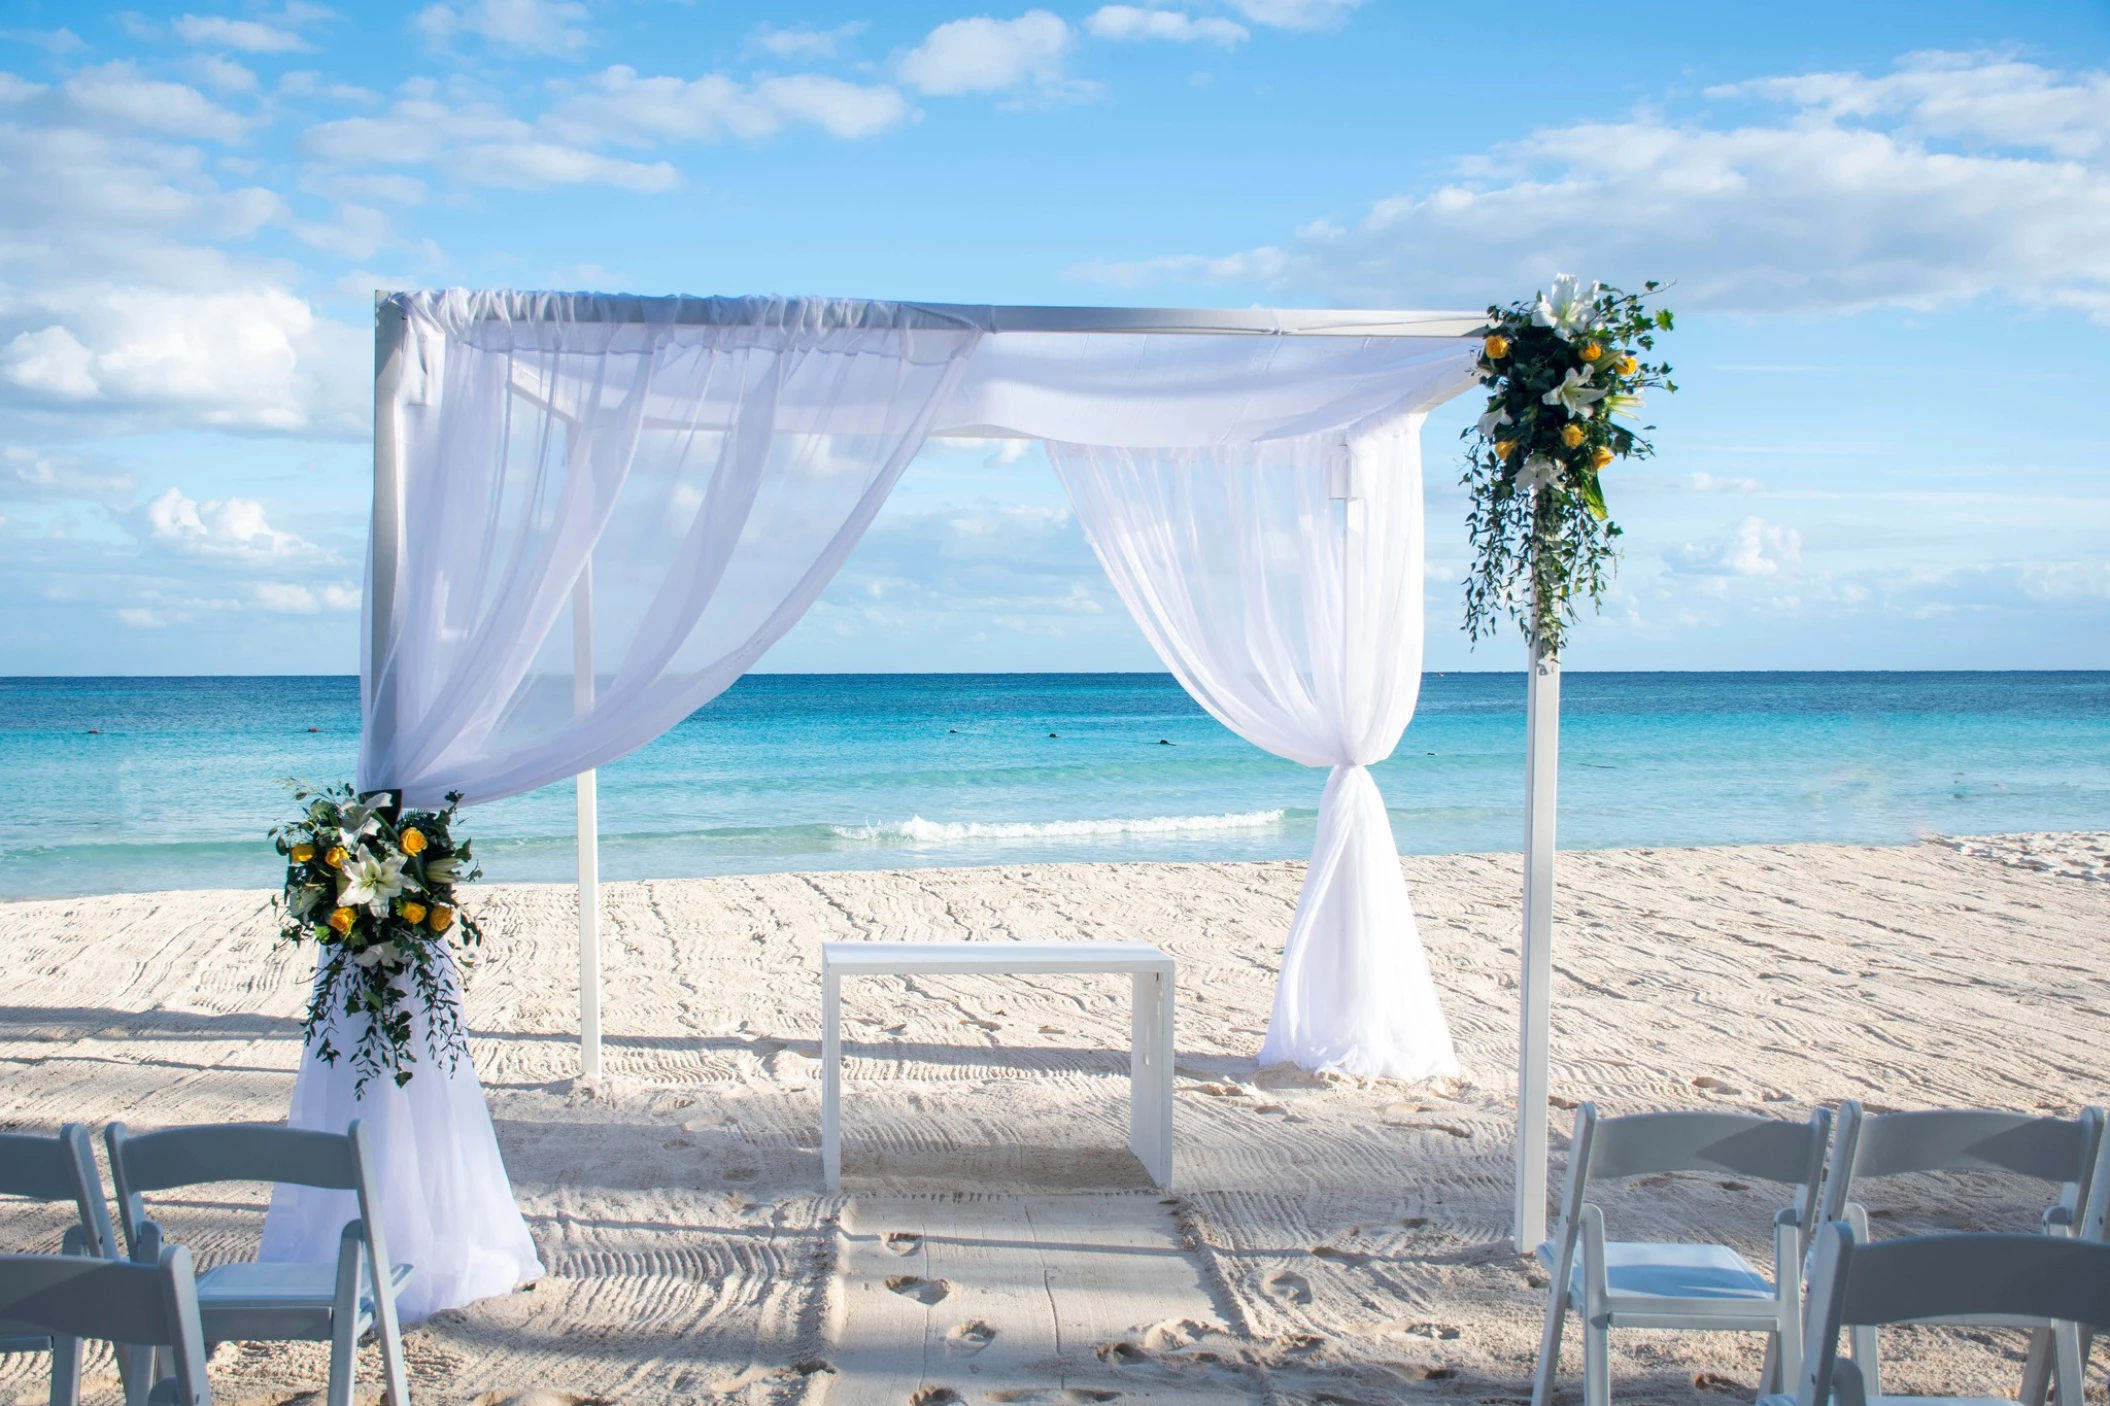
(238, 1301)
(1640, 1270)
(1785, 1400)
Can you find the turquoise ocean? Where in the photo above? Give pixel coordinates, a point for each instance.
(131, 784)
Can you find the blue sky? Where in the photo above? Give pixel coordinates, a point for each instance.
(1888, 226)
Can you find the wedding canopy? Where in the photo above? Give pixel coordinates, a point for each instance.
(593, 513)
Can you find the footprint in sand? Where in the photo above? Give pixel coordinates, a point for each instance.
(915, 1286)
(1287, 1285)
(1035, 1395)
(1354, 1259)
(937, 1396)
(967, 1339)
(1713, 1085)
(902, 1242)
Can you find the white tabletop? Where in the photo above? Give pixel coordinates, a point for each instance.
(993, 957)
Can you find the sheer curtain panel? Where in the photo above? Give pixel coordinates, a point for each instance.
(1280, 581)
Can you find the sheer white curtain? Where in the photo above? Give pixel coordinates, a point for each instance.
(1280, 581)
(676, 490)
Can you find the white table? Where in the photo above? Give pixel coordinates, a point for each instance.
(1150, 1023)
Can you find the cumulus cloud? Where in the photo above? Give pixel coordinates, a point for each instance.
(1297, 14)
(1952, 179)
(480, 142)
(116, 93)
(227, 527)
(621, 106)
(547, 28)
(804, 43)
(985, 55)
(1133, 22)
(250, 36)
(292, 598)
(1754, 547)
(46, 476)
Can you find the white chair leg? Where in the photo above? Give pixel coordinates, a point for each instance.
(344, 1316)
(1597, 1362)
(1542, 1385)
(2037, 1369)
(2066, 1383)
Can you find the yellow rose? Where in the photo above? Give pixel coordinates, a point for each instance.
(1504, 448)
(1571, 434)
(413, 842)
(1600, 457)
(1628, 366)
(302, 853)
(336, 857)
(1591, 351)
(1497, 347)
(413, 913)
(343, 919)
(440, 919)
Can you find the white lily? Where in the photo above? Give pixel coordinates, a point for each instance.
(1539, 471)
(1568, 309)
(370, 880)
(1494, 420)
(1575, 394)
(443, 871)
(380, 954)
(1627, 405)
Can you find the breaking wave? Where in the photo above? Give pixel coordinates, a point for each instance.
(939, 831)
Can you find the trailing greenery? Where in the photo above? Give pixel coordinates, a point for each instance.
(1565, 379)
(373, 886)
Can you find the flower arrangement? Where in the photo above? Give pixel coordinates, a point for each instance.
(1565, 379)
(372, 885)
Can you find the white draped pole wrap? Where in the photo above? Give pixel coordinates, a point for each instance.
(1281, 582)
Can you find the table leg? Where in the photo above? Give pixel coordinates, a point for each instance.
(1162, 1168)
(1150, 1074)
(831, 1078)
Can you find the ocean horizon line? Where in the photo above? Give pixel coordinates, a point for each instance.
(1567, 671)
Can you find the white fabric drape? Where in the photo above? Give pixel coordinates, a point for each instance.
(690, 488)
(446, 1204)
(708, 480)
(1280, 581)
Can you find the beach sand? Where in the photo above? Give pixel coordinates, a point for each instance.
(1329, 1239)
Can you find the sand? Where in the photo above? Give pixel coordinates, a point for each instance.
(1331, 1240)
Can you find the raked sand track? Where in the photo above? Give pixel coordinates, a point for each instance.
(1329, 1240)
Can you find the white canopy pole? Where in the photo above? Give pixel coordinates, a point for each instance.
(589, 837)
(1542, 723)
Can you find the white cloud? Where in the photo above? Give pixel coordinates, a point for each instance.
(250, 36)
(142, 619)
(985, 55)
(618, 105)
(49, 477)
(529, 27)
(222, 75)
(1753, 548)
(353, 230)
(52, 361)
(1133, 22)
(479, 143)
(1809, 213)
(229, 527)
(1297, 14)
(533, 165)
(804, 43)
(292, 598)
(1265, 265)
(1708, 483)
(115, 92)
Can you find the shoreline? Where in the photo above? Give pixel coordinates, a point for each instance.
(1324, 1235)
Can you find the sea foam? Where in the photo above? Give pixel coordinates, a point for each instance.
(927, 831)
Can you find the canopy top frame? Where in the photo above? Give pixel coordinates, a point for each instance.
(995, 317)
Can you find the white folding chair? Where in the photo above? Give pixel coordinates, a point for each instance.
(58, 1168)
(70, 1297)
(1972, 1278)
(252, 1302)
(1622, 1284)
(2060, 1151)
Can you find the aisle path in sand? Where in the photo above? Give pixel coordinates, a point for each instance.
(1328, 1238)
